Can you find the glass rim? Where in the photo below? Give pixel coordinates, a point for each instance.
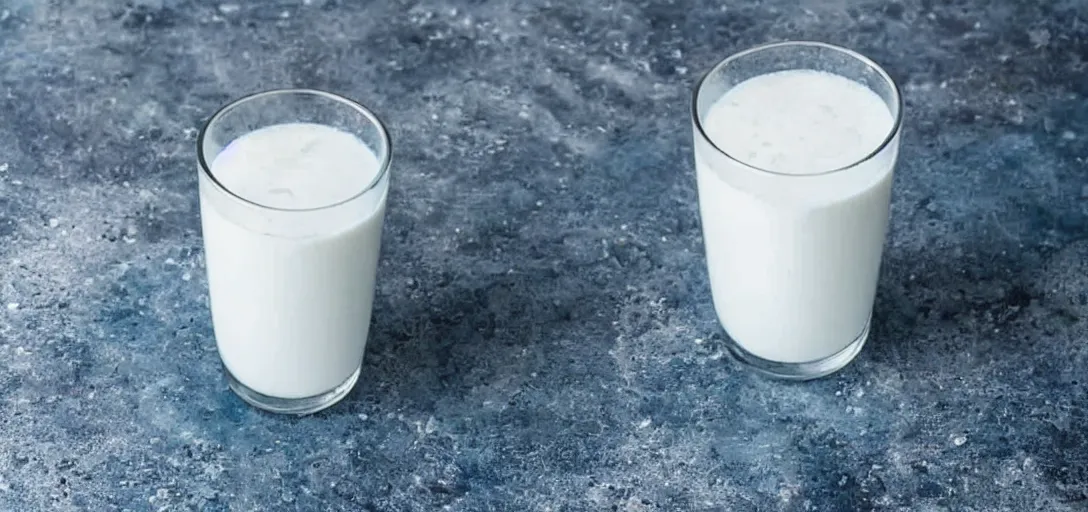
(383, 167)
(892, 132)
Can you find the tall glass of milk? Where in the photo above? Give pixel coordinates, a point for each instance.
(292, 198)
(795, 144)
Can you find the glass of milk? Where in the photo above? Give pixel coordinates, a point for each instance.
(292, 197)
(795, 145)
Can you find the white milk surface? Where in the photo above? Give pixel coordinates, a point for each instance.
(793, 257)
(292, 291)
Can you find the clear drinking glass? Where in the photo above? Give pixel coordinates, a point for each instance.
(793, 254)
(293, 187)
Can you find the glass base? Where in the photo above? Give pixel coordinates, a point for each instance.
(801, 371)
(298, 406)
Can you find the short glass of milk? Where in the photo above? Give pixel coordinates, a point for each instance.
(795, 145)
(293, 186)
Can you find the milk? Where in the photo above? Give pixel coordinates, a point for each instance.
(793, 254)
(291, 281)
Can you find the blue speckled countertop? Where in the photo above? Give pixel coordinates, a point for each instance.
(543, 336)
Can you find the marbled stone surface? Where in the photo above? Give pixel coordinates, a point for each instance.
(543, 337)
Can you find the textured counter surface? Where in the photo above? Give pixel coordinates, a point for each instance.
(543, 335)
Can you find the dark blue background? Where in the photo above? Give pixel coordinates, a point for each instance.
(543, 336)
